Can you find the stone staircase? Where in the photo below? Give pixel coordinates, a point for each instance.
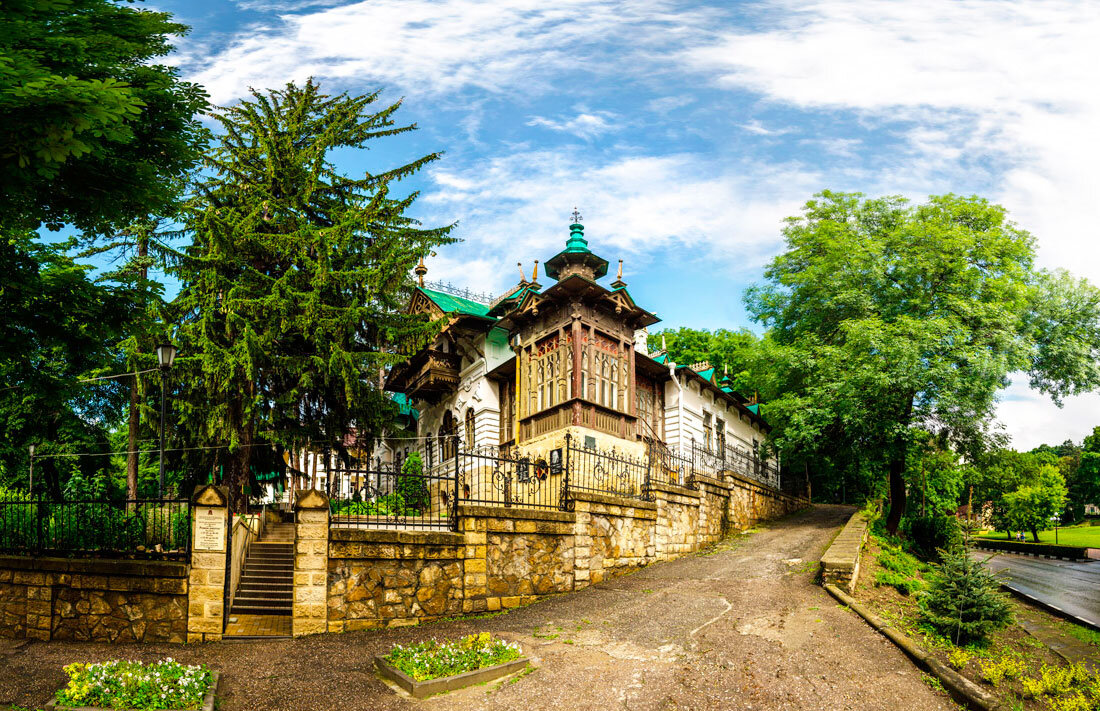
(267, 577)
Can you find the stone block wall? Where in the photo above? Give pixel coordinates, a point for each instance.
(677, 520)
(528, 552)
(94, 600)
(393, 578)
(614, 536)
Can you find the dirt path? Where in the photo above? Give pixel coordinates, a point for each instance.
(739, 627)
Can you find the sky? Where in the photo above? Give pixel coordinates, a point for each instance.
(684, 132)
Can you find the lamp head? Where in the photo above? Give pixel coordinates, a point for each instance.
(166, 354)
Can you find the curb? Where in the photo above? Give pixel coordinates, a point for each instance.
(1051, 608)
(961, 689)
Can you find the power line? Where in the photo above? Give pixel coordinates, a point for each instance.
(90, 380)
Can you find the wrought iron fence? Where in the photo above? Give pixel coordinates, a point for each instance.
(489, 477)
(143, 528)
(389, 496)
(607, 472)
(669, 466)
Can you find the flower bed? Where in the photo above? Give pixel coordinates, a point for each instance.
(166, 685)
(433, 667)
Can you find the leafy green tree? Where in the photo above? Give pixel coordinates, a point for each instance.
(94, 132)
(886, 317)
(730, 352)
(1031, 507)
(963, 601)
(293, 289)
(59, 328)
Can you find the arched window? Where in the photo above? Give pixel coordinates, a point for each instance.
(447, 431)
(470, 428)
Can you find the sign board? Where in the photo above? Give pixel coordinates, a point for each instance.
(555, 461)
(209, 528)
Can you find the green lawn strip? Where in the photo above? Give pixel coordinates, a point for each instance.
(1086, 536)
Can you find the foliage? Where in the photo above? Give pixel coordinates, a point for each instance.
(293, 289)
(959, 658)
(900, 570)
(963, 602)
(434, 659)
(730, 352)
(995, 671)
(386, 505)
(927, 535)
(884, 317)
(1031, 508)
(95, 133)
(58, 327)
(411, 485)
(117, 684)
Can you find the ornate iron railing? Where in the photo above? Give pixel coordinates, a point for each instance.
(141, 528)
(392, 496)
(489, 477)
(608, 472)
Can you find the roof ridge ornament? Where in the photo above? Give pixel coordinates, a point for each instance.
(576, 216)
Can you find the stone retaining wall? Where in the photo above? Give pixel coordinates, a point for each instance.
(840, 562)
(504, 557)
(390, 578)
(93, 600)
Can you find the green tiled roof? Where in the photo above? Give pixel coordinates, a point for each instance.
(706, 374)
(403, 405)
(456, 304)
(662, 359)
(754, 409)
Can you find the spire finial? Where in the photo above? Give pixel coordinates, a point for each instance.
(420, 271)
(619, 283)
(576, 216)
(522, 278)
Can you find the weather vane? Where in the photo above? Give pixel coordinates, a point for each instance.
(576, 215)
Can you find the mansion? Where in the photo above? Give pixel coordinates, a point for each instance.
(521, 372)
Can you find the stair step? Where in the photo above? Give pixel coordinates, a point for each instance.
(260, 610)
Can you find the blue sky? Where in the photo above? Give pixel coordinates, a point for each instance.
(685, 131)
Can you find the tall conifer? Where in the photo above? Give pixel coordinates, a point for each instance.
(293, 288)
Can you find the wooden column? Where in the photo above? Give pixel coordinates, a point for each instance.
(577, 344)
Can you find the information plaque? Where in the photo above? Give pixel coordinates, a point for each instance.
(209, 528)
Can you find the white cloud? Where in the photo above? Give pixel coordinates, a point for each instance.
(440, 46)
(997, 93)
(759, 129)
(1032, 419)
(584, 124)
(516, 208)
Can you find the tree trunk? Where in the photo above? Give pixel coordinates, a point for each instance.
(1035, 535)
(132, 443)
(897, 492)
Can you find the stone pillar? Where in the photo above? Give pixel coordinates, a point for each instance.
(310, 608)
(39, 605)
(475, 566)
(209, 547)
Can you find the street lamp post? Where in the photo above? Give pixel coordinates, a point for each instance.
(166, 353)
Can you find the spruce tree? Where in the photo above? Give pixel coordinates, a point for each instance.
(963, 602)
(292, 291)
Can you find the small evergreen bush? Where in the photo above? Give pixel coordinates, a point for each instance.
(963, 602)
(411, 486)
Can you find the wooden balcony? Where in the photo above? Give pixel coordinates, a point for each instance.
(428, 376)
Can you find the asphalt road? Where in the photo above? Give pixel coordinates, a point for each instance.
(1071, 587)
(741, 626)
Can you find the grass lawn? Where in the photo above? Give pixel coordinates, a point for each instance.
(1088, 536)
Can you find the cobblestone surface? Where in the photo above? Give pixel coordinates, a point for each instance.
(740, 626)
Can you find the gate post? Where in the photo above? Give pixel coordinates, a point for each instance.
(310, 609)
(209, 549)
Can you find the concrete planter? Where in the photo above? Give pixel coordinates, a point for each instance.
(207, 703)
(423, 689)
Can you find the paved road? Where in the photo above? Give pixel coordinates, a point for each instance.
(1072, 587)
(742, 626)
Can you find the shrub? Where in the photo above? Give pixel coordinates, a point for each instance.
(963, 602)
(927, 535)
(412, 486)
(958, 659)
